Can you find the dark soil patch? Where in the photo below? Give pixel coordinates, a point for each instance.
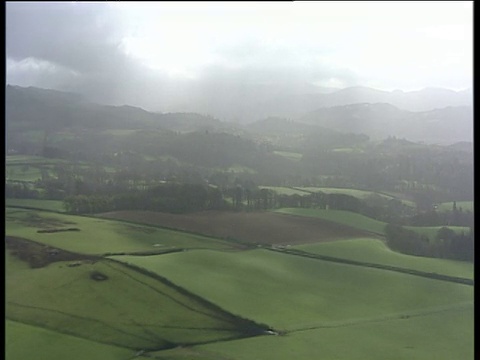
(252, 227)
(98, 276)
(40, 255)
(32, 219)
(57, 230)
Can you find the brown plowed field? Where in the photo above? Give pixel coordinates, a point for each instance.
(252, 227)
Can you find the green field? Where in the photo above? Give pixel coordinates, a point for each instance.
(205, 303)
(442, 335)
(448, 206)
(281, 190)
(289, 155)
(22, 173)
(252, 284)
(375, 251)
(50, 205)
(30, 159)
(340, 216)
(100, 236)
(363, 222)
(360, 194)
(23, 341)
(124, 308)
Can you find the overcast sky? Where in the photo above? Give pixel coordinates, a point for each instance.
(149, 54)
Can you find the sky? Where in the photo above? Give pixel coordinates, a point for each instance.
(160, 55)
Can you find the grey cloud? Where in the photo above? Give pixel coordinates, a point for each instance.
(80, 36)
(76, 47)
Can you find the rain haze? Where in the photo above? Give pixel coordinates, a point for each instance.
(185, 56)
(239, 180)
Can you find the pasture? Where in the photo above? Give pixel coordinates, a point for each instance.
(88, 235)
(119, 306)
(253, 284)
(360, 194)
(363, 222)
(442, 335)
(377, 252)
(348, 218)
(49, 205)
(289, 155)
(281, 190)
(24, 341)
(448, 206)
(24, 173)
(213, 303)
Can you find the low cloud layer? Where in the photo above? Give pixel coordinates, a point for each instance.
(168, 57)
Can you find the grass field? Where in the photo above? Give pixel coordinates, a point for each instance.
(119, 306)
(359, 194)
(51, 205)
(22, 173)
(363, 222)
(100, 236)
(253, 284)
(203, 303)
(281, 190)
(443, 335)
(375, 251)
(23, 341)
(448, 206)
(340, 216)
(289, 155)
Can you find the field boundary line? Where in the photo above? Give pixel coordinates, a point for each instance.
(78, 317)
(249, 327)
(389, 317)
(429, 275)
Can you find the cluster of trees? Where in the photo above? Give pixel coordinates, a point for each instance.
(171, 197)
(447, 244)
(20, 190)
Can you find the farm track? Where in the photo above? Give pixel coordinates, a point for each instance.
(428, 275)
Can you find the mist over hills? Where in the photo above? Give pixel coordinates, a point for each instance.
(336, 111)
(254, 102)
(381, 120)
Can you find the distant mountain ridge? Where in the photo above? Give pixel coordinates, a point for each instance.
(297, 105)
(443, 126)
(35, 108)
(55, 109)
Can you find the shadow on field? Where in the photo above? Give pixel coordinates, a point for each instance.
(39, 255)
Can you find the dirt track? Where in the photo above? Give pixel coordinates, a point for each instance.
(253, 227)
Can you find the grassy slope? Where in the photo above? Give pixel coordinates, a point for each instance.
(360, 194)
(17, 173)
(253, 284)
(362, 222)
(281, 190)
(99, 236)
(31, 342)
(437, 336)
(127, 309)
(339, 216)
(448, 206)
(375, 251)
(50, 205)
